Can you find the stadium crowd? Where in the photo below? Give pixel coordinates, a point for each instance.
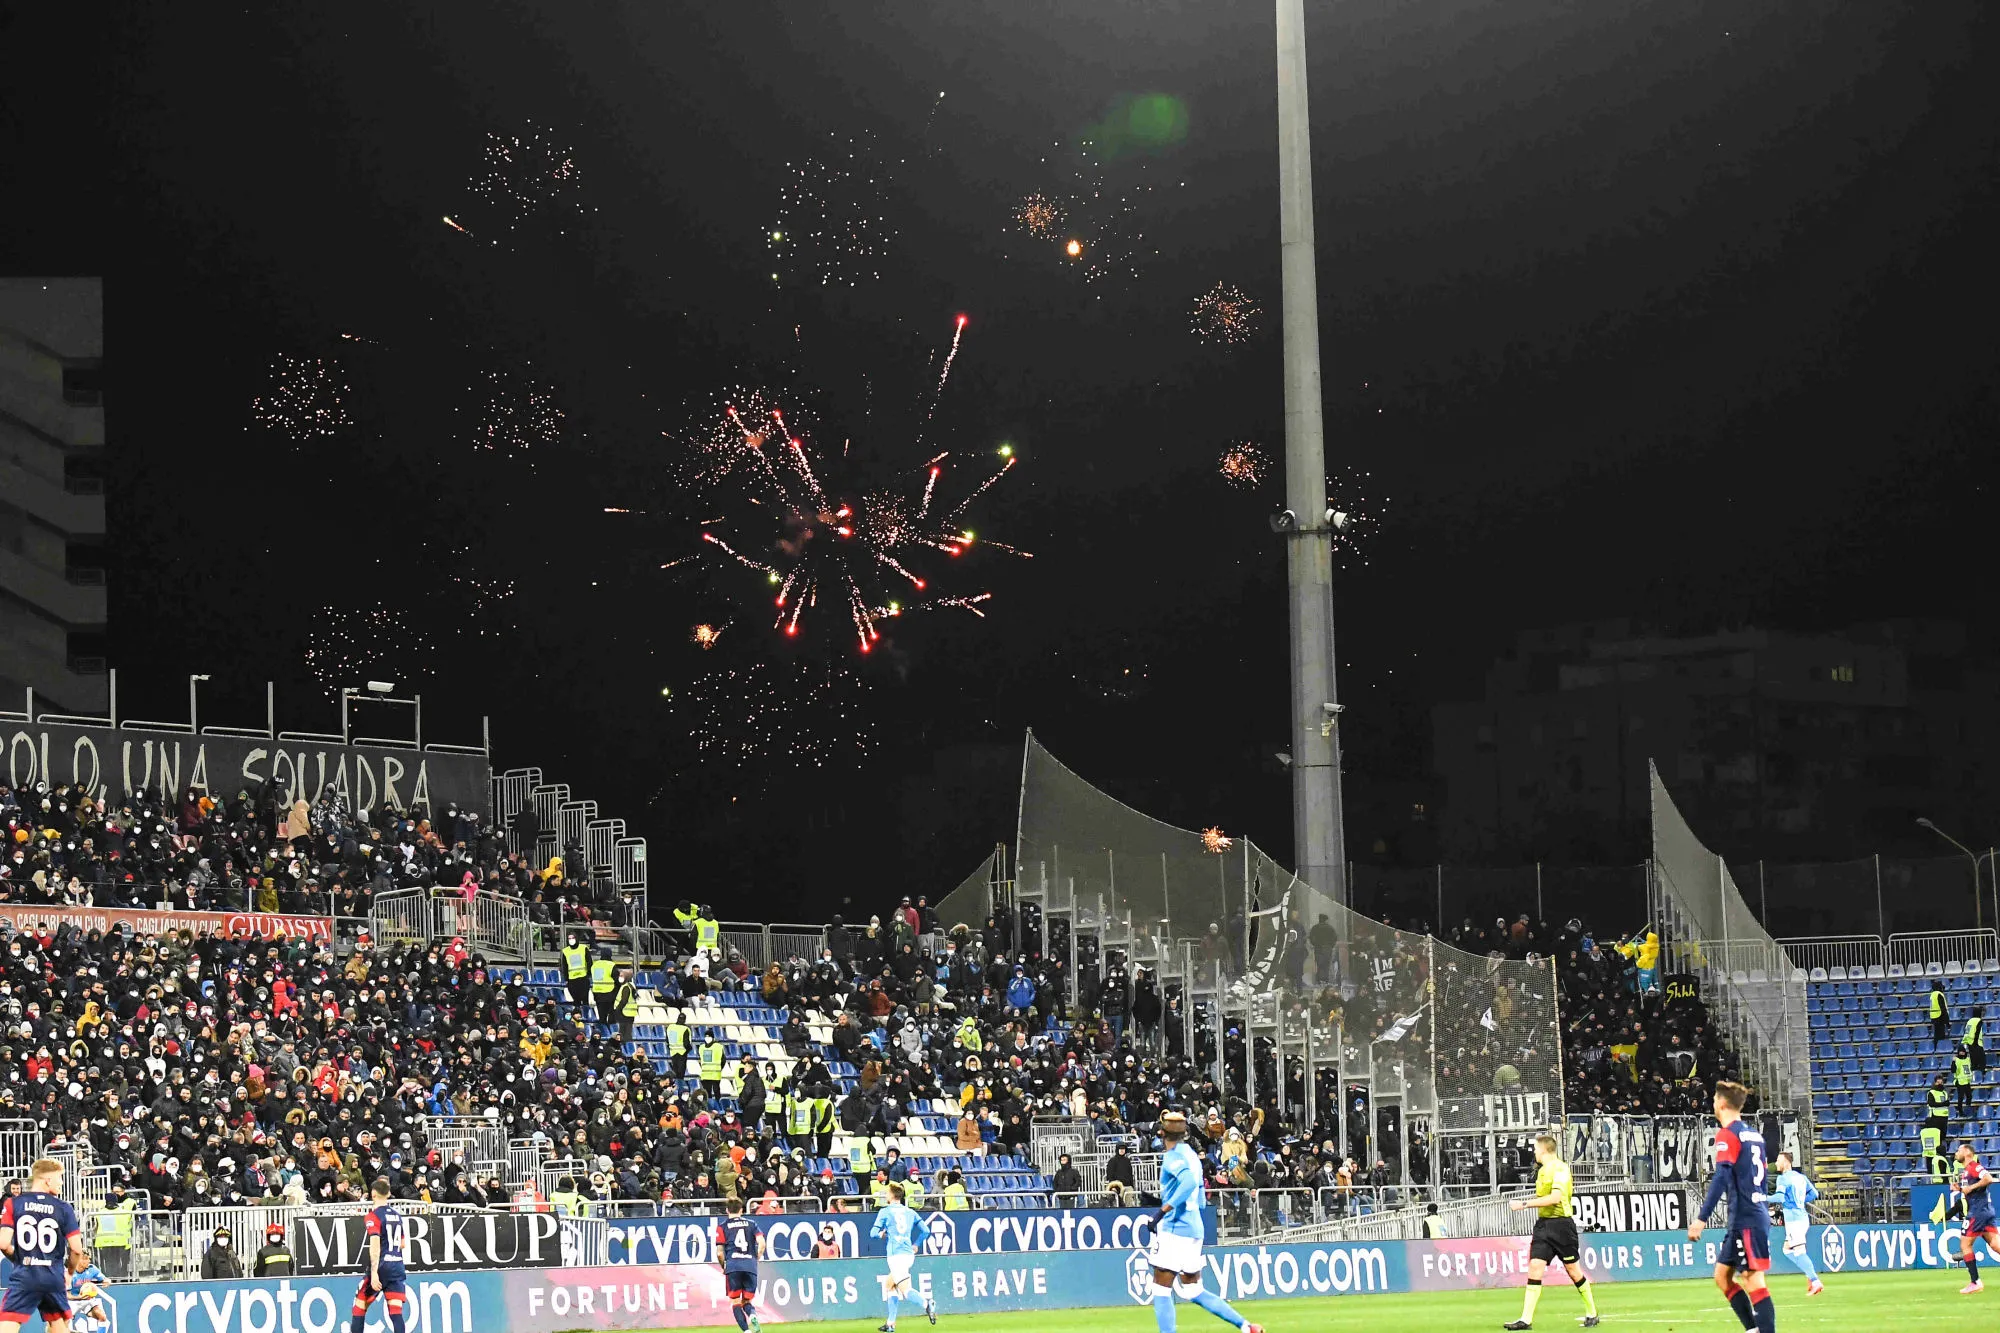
(258, 852)
(207, 1069)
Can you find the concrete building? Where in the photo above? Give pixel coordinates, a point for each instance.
(52, 596)
(1776, 745)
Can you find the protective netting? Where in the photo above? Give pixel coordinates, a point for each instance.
(1499, 1046)
(1076, 845)
(972, 901)
(1422, 1021)
(1707, 928)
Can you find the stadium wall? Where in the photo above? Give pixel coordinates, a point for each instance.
(691, 1295)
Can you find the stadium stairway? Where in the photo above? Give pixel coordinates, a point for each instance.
(1873, 1061)
(750, 1028)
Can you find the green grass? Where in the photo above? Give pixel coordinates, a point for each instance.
(1925, 1301)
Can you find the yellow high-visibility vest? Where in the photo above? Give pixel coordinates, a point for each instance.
(114, 1227)
(600, 976)
(576, 958)
(711, 1062)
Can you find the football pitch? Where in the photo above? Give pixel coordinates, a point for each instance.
(1925, 1301)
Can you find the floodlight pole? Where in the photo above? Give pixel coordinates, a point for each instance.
(1320, 841)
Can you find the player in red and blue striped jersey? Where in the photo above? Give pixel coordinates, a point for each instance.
(1740, 1176)
(39, 1232)
(388, 1251)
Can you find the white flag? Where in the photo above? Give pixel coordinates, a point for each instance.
(1486, 1020)
(1400, 1028)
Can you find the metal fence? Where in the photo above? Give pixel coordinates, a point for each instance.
(566, 822)
(400, 916)
(1947, 951)
(495, 924)
(761, 945)
(20, 1145)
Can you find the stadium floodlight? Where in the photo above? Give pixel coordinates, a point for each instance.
(1978, 903)
(381, 687)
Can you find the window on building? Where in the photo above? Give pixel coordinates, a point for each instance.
(86, 652)
(1841, 675)
(83, 384)
(1418, 812)
(13, 528)
(83, 563)
(83, 473)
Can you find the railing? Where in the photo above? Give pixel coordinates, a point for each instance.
(20, 1145)
(400, 916)
(156, 1253)
(1830, 951)
(762, 945)
(1948, 949)
(1304, 1213)
(493, 923)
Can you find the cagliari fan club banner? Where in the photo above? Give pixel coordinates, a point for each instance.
(142, 921)
(109, 763)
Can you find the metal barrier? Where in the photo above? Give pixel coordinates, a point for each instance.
(1831, 951)
(600, 844)
(510, 793)
(493, 923)
(480, 1140)
(790, 940)
(1949, 950)
(401, 916)
(20, 1145)
(629, 863)
(749, 939)
(156, 1252)
(1267, 1213)
(549, 1174)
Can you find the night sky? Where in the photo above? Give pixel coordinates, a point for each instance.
(1679, 311)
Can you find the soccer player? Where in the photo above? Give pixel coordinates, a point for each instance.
(741, 1245)
(1974, 1190)
(899, 1224)
(39, 1232)
(1175, 1253)
(1740, 1176)
(86, 1297)
(388, 1246)
(1793, 1193)
(1555, 1234)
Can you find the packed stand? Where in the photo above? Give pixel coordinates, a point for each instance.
(256, 851)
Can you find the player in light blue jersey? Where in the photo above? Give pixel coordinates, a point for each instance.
(900, 1225)
(1176, 1250)
(1791, 1191)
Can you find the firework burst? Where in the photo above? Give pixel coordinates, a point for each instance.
(819, 543)
(1039, 216)
(765, 713)
(833, 225)
(524, 181)
(512, 414)
(304, 400)
(1357, 514)
(1243, 465)
(348, 646)
(1224, 314)
(1093, 224)
(1213, 840)
(705, 636)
